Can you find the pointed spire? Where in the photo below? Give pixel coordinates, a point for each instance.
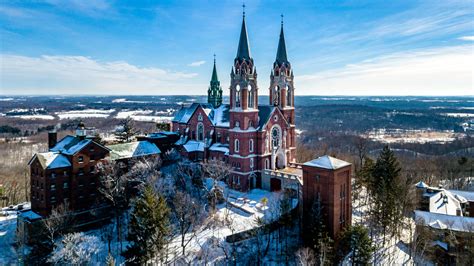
(243, 52)
(214, 72)
(281, 56)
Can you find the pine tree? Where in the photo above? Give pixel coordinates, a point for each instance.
(319, 238)
(355, 241)
(148, 228)
(386, 188)
(126, 130)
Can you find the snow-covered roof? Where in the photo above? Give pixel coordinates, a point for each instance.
(132, 149)
(445, 202)
(468, 195)
(220, 116)
(220, 147)
(327, 162)
(51, 160)
(443, 221)
(421, 184)
(29, 215)
(70, 145)
(193, 146)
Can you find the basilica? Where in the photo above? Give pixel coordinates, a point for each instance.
(252, 137)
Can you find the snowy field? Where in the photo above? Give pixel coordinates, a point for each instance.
(87, 113)
(413, 136)
(146, 115)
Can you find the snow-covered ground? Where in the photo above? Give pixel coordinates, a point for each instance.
(33, 117)
(99, 113)
(145, 115)
(8, 252)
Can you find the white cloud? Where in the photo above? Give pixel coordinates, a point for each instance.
(466, 38)
(197, 63)
(441, 71)
(84, 75)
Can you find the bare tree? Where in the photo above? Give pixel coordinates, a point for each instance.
(113, 188)
(57, 221)
(217, 171)
(188, 215)
(305, 257)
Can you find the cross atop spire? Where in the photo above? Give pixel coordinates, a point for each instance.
(214, 72)
(243, 9)
(243, 51)
(281, 56)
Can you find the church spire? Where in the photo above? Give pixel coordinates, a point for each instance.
(243, 52)
(281, 56)
(214, 93)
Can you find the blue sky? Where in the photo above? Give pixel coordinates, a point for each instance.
(166, 47)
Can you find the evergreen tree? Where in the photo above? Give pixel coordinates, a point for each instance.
(319, 238)
(126, 130)
(386, 188)
(355, 241)
(148, 228)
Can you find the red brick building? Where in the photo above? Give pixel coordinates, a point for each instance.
(250, 136)
(328, 180)
(66, 173)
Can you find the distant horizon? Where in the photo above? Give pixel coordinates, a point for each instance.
(225, 96)
(349, 48)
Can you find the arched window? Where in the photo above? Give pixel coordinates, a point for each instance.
(200, 131)
(237, 96)
(251, 145)
(251, 163)
(288, 96)
(276, 95)
(236, 145)
(237, 124)
(276, 137)
(267, 164)
(250, 97)
(250, 123)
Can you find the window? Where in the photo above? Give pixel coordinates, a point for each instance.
(53, 199)
(267, 164)
(65, 173)
(53, 187)
(250, 97)
(65, 185)
(237, 124)
(251, 162)
(92, 169)
(275, 137)
(237, 96)
(91, 149)
(236, 145)
(200, 117)
(288, 96)
(42, 197)
(317, 178)
(80, 171)
(53, 175)
(251, 145)
(200, 130)
(250, 123)
(80, 159)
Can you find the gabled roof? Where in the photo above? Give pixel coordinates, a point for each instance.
(133, 150)
(467, 195)
(421, 184)
(219, 116)
(327, 162)
(71, 145)
(194, 146)
(185, 113)
(443, 221)
(264, 114)
(51, 160)
(219, 147)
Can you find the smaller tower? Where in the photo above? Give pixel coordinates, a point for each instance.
(214, 93)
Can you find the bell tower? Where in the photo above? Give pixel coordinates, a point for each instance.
(214, 93)
(282, 91)
(243, 113)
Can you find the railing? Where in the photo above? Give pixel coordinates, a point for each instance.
(285, 175)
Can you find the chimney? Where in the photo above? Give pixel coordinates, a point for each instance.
(52, 139)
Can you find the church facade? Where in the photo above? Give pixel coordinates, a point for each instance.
(251, 136)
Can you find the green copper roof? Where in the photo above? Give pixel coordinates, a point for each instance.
(243, 52)
(214, 73)
(281, 52)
